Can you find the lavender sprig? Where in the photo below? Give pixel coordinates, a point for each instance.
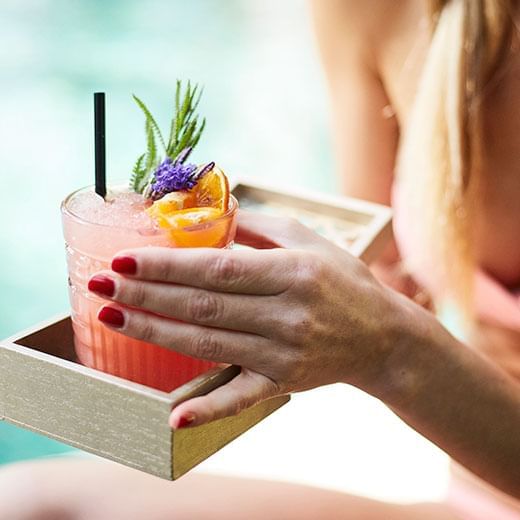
(176, 176)
(203, 170)
(172, 176)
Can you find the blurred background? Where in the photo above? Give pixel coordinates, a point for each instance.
(266, 104)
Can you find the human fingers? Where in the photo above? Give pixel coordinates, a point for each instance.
(243, 391)
(190, 304)
(223, 270)
(219, 345)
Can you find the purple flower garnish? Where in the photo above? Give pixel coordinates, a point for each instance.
(172, 176)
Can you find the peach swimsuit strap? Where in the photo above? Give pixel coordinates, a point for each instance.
(495, 303)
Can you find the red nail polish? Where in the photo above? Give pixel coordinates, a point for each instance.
(102, 284)
(185, 420)
(124, 265)
(111, 316)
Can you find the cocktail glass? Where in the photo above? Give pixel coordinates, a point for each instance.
(91, 244)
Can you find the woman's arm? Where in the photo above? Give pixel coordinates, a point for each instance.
(457, 398)
(365, 137)
(350, 34)
(310, 315)
(366, 131)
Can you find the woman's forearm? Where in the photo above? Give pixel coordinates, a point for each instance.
(456, 398)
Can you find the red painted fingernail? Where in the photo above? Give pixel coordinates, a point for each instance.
(185, 420)
(102, 284)
(111, 316)
(124, 265)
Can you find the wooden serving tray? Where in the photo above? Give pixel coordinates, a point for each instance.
(43, 388)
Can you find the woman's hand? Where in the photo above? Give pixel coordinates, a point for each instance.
(295, 317)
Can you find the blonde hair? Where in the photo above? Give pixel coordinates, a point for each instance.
(439, 159)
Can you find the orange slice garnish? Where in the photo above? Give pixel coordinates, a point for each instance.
(213, 190)
(183, 218)
(191, 218)
(171, 202)
(196, 227)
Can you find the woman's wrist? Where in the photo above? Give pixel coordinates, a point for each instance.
(411, 339)
(452, 395)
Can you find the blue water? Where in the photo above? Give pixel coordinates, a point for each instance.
(264, 99)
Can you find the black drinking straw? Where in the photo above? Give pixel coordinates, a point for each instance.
(99, 135)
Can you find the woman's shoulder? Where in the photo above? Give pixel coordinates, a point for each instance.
(373, 26)
(368, 17)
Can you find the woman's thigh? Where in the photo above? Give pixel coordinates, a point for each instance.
(83, 489)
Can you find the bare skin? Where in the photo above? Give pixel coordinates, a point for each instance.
(95, 490)
(372, 54)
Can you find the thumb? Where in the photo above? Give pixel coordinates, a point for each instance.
(245, 390)
(267, 232)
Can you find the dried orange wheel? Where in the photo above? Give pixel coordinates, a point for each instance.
(194, 227)
(186, 217)
(171, 202)
(213, 190)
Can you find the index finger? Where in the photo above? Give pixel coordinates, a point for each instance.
(265, 272)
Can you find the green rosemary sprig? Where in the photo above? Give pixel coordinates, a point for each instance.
(147, 162)
(185, 132)
(185, 129)
(138, 174)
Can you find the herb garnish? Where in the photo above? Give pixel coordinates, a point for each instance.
(154, 177)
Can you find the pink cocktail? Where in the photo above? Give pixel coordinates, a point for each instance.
(95, 230)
